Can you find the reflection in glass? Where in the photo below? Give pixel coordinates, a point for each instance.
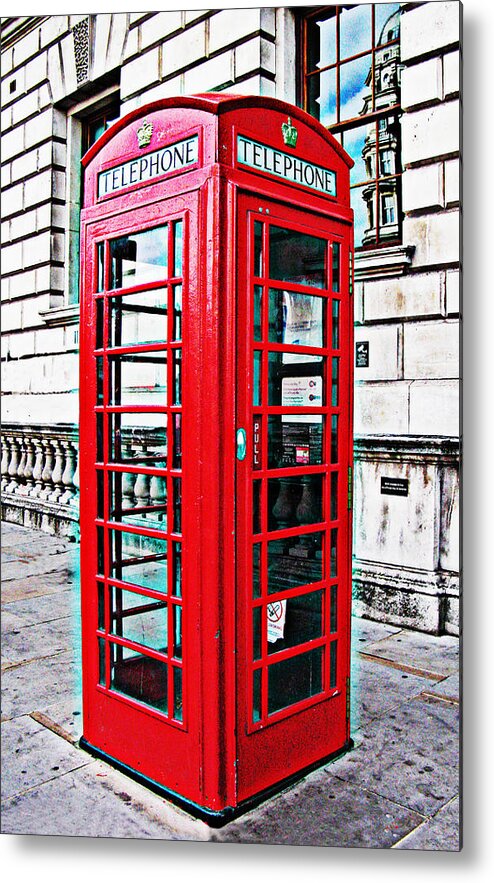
(177, 441)
(177, 505)
(177, 313)
(177, 569)
(292, 564)
(296, 319)
(297, 257)
(256, 379)
(177, 631)
(355, 30)
(322, 96)
(295, 679)
(138, 318)
(139, 560)
(138, 499)
(177, 247)
(139, 619)
(101, 659)
(138, 379)
(303, 621)
(336, 263)
(353, 87)
(138, 438)
(177, 375)
(139, 258)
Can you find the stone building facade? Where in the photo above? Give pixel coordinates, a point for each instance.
(65, 78)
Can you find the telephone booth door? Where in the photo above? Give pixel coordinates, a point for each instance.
(293, 518)
(138, 622)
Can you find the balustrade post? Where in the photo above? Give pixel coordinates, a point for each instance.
(68, 472)
(28, 468)
(22, 464)
(5, 461)
(13, 465)
(46, 476)
(57, 471)
(38, 467)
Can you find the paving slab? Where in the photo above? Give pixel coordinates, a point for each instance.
(22, 613)
(38, 565)
(449, 688)
(376, 689)
(366, 631)
(440, 656)
(440, 833)
(33, 755)
(36, 641)
(410, 756)
(96, 801)
(26, 688)
(323, 810)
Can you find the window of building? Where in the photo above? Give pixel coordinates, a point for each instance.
(351, 83)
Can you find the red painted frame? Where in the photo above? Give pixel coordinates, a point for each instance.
(214, 761)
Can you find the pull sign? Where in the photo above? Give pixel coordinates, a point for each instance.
(241, 444)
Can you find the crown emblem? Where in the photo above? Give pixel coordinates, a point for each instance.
(290, 133)
(144, 133)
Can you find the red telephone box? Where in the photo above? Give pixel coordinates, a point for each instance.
(215, 448)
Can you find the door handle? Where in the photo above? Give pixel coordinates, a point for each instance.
(241, 444)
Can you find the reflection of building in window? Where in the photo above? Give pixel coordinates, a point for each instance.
(382, 140)
(351, 83)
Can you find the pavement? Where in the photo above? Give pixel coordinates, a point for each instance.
(397, 789)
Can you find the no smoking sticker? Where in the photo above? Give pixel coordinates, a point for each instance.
(276, 612)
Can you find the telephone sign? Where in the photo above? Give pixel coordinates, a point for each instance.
(215, 443)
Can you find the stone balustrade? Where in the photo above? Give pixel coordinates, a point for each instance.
(40, 476)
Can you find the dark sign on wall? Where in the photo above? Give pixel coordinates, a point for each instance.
(362, 354)
(398, 487)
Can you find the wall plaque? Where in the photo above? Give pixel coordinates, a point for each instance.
(398, 487)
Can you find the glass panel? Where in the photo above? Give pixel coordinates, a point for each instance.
(177, 315)
(178, 248)
(363, 202)
(355, 92)
(177, 631)
(256, 632)
(334, 438)
(139, 560)
(101, 658)
(256, 704)
(258, 228)
(139, 619)
(295, 440)
(387, 23)
(322, 43)
(335, 324)
(99, 323)
(355, 30)
(177, 569)
(332, 663)
(333, 621)
(99, 380)
(296, 383)
(334, 496)
(177, 505)
(335, 381)
(256, 379)
(357, 143)
(101, 266)
(138, 379)
(336, 266)
(138, 439)
(141, 678)
(257, 312)
(177, 441)
(303, 621)
(293, 562)
(101, 605)
(99, 438)
(100, 494)
(100, 539)
(139, 258)
(256, 507)
(138, 499)
(322, 96)
(177, 374)
(294, 500)
(177, 693)
(138, 318)
(334, 552)
(296, 319)
(256, 570)
(294, 679)
(297, 257)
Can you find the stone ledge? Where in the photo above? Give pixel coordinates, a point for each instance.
(409, 448)
(427, 601)
(41, 514)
